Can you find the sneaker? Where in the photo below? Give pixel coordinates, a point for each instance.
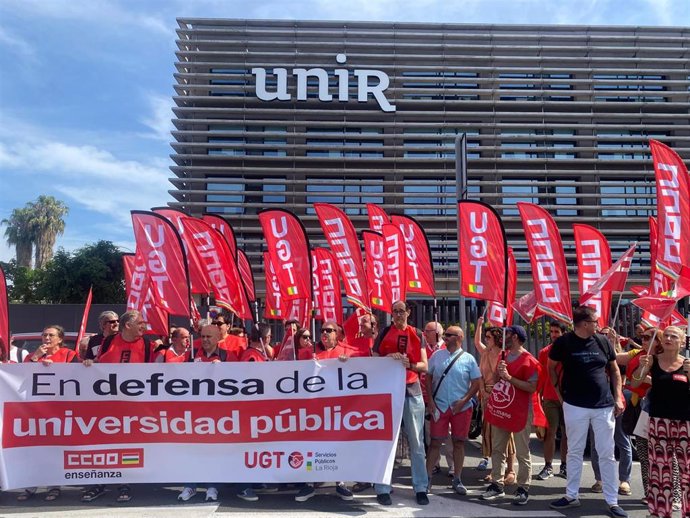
(186, 494)
(617, 511)
(422, 499)
(493, 491)
(248, 495)
(304, 494)
(459, 488)
(546, 472)
(451, 472)
(598, 487)
(564, 503)
(483, 464)
(521, 496)
(624, 489)
(343, 492)
(563, 473)
(212, 494)
(384, 499)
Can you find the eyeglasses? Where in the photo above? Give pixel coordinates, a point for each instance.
(448, 335)
(111, 322)
(327, 330)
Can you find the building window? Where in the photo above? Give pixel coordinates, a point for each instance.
(527, 191)
(231, 193)
(328, 190)
(627, 198)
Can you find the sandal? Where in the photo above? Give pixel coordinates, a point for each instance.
(92, 493)
(124, 495)
(52, 494)
(25, 495)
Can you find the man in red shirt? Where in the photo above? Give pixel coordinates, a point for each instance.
(179, 351)
(128, 346)
(256, 351)
(553, 409)
(329, 346)
(210, 350)
(404, 343)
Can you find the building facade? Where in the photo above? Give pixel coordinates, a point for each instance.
(287, 113)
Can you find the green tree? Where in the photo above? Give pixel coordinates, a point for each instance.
(22, 283)
(19, 234)
(47, 222)
(67, 277)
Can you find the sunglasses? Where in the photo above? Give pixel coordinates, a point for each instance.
(306, 337)
(218, 323)
(328, 330)
(448, 335)
(112, 322)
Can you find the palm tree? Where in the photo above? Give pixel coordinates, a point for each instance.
(47, 223)
(19, 234)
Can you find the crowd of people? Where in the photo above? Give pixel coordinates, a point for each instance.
(587, 384)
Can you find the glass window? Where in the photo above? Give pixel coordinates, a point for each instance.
(515, 193)
(355, 197)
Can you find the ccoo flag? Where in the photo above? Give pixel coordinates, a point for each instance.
(140, 297)
(377, 217)
(327, 300)
(672, 209)
(483, 252)
(496, 313)
(246, 274)
(593, 259)
(549, 270)
(420, 267)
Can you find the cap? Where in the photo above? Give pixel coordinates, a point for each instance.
(519, 331)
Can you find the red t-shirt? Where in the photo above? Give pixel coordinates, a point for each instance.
(545, 385)
(252, 355)
(326, 354)
(62, 355)
(170, 356)
(235, 344)
(404, 342)
(121, 351)
(224, 356)
(360, 347)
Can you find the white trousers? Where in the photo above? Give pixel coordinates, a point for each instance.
(577, 423)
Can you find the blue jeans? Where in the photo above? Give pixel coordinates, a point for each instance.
(622, 442)
(413, 425)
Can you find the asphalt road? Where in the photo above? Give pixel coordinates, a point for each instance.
(161, 501)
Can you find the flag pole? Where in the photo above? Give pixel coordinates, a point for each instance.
(615, 316)
(461, 194)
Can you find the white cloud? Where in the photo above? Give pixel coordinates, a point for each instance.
(160, 118)
(17, 44)
(99, 12)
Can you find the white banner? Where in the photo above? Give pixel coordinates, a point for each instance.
(305, 421)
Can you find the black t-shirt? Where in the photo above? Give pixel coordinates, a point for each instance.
(670, 397)
(92, 347)
(585, 381)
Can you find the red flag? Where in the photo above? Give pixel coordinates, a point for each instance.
(395, 261)
(298, 309)
(246, 274)
(549, 270)
(640, 291)
(342, 238)
(377, 217)
(377, 274)
(615, 278)
(197, 273)
(288, 247)
(660, 307)
(678, 320)
(140, 296)
(672, 209)
(327, 298)
(219, 266)
(4, 315)
(420, 266)
(274, 298)
(496, 312)
(220, 224)
(593, 259)
(166, 265)
(659, 284)
(85, 316)
(526, 307)
(682, 288)
(482, 251)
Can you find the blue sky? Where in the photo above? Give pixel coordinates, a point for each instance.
(86, 86)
